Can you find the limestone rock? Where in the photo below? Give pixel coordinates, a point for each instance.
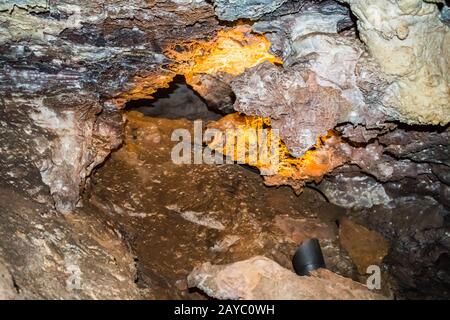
(236, 216)
(216, 91)
(412, 46)
(445, 15)
(286, 30)
(419, 146)
(74, 141)
(261, 278)
(418, 233)
(300, 108)
(301, 229)
(365, 247)
(326, 78)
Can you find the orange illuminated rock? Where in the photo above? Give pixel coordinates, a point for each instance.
(312, 166)
(144, 87)
(232, 51)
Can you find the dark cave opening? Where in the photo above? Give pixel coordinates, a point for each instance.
(179, 100)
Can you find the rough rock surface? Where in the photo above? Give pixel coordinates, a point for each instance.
(354, 191)
(324, 80)
(61, 64)
(67, 67)
(297, 105)
(297, 229)
(394, 159)
(377, 86)
(7, 289)
(365, 247)
(418, 230)
(216, 91)
(412, 46)
(249, 9)
(44, 255)
(109, 56)
(177, 101)
(159, 206)
(47, 255)
(261, 278)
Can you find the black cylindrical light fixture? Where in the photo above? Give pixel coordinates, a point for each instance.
(308, 257)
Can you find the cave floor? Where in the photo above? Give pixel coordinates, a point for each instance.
(175, 217)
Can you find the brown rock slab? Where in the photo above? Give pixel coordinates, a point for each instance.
(365, 247)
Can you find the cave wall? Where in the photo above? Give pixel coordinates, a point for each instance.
(68, 67)
(62, 65)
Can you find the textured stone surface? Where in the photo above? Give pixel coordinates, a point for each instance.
(108, 56)
(418, 231)
(419, 145)
(7, 289)
(414, 164)
(159, 206)
(67, 67)
(297, 230)
(261, 278)
(297, 105)
(365, 247)
(326, 79)
(285, 31)
(249, 9)
(61, 64)
(354, 191)
(216, 91)
(381, 159)
(412, 46)
(46, 256)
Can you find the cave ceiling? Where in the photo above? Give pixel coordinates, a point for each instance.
(309, 66)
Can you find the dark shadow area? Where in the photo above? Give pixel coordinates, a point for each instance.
(177, 101)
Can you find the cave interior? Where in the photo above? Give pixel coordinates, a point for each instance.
(186, 149)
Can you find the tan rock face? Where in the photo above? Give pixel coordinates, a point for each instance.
(301, 229)
(365, 247)
(48, 256)
(262, 278)
(412, 46)
(67, 66)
